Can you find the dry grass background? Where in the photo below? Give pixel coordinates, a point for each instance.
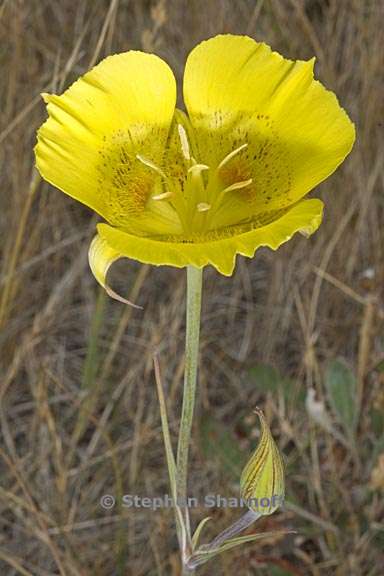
(79, 415)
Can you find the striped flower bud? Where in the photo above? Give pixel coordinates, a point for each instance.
(262, 480)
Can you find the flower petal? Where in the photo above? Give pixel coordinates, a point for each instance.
(88, 147)
(219, 251)
(237, 91)
(100, 258)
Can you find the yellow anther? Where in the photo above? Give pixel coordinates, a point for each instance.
(238, 185)
(231, 155)
(150, 164)
(184, 142)
(162, 196)
(203, 207)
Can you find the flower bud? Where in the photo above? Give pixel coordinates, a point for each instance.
(262, 480)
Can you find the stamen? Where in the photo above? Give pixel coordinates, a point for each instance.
(184, 142)
(231, 155)
(203, 207)
(162, 196)
(197, 168)
(150, 164)
(238, 185)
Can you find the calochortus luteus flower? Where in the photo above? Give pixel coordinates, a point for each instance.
(195, 188)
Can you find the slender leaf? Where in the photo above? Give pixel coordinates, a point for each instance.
(197, 534)
(182, 529)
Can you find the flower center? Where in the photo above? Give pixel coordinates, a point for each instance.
(203, 189)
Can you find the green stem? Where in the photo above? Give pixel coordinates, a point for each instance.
(194, 288)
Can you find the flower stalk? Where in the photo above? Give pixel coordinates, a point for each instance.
(194, 289)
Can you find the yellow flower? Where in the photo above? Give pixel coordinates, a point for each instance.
(197, 188)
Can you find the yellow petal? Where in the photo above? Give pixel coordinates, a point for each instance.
(89, 145)
(218, 248)
(237, 91)
(262, 481)
(100, 257)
